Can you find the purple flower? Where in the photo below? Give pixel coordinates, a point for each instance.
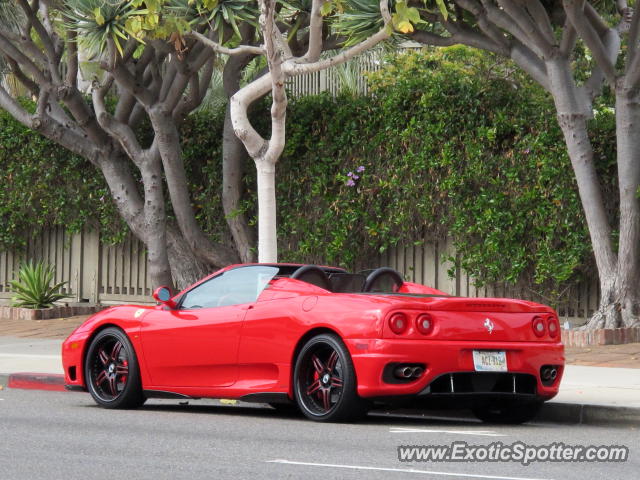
(360, 169)
(526, 152)
(355, 177)
(350, 174)
(351, 183)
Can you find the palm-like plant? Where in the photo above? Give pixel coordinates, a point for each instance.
(360, 20)
(98, 22)
(33, 288)
(215, 14)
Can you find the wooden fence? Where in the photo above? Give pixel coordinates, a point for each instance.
(428, 264)
(94, 272)
(100, 273)
(349, 76)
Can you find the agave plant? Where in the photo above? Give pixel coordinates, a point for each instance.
(215, 14)
(359, 20)
(98, 21)
(33, 288)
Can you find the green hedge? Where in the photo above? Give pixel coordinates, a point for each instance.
(44, 185)
(449, 142)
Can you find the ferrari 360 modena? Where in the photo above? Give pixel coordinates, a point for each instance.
(330, 343)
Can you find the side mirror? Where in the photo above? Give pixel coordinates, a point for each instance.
(163, 295)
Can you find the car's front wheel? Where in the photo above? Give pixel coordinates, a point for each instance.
(325, 381)
(507, 412)
(111, 370)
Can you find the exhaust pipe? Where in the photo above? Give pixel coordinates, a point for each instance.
(549, 373)
(404, 372)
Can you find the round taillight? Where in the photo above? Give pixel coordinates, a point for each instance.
(398, 323)
(424, 324)
(553, 327)
(539, 327)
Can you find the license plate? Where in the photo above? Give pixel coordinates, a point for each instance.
(490, 360)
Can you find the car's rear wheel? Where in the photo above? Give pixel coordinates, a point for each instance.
(325, 381)
(111, 370)
(507, 412)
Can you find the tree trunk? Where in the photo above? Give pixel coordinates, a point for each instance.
(186, 268)
(608, 313)
(267, 238)
(572, 108)
(145, 219)
(155, 224)
(628, 156)
(620, 289)
(234, 157)
(168, 140)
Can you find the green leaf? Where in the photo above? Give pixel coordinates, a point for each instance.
(97, 14)
(443, 9)
(326, 8)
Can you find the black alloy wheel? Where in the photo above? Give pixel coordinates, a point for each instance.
(325, 381)
(111, 370)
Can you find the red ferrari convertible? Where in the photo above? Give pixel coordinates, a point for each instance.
(330, 342)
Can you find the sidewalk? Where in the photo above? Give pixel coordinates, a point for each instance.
(601, 384)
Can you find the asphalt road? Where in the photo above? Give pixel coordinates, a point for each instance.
(48, 435)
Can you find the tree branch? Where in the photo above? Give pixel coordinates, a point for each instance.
(12, 52)
(126, 80)
(503, 21)
(316, 22)
(634, 38)
(568, 40)
(72, 58)
(291, 68)
(527, 26)
(486, 27)
(601, 53)
(242, 49)
(118, 130)
(8, 103)
(22, 78)
(462, 37)
(526, 59)
(49, 48)
(541, 18)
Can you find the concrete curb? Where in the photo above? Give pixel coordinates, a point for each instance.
(551, 412)
(34, 381)
(575, 413)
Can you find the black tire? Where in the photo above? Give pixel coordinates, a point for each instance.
(325, 381)
(507, 412)
(112, 374)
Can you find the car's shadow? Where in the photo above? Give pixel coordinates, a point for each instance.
(376, 417)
